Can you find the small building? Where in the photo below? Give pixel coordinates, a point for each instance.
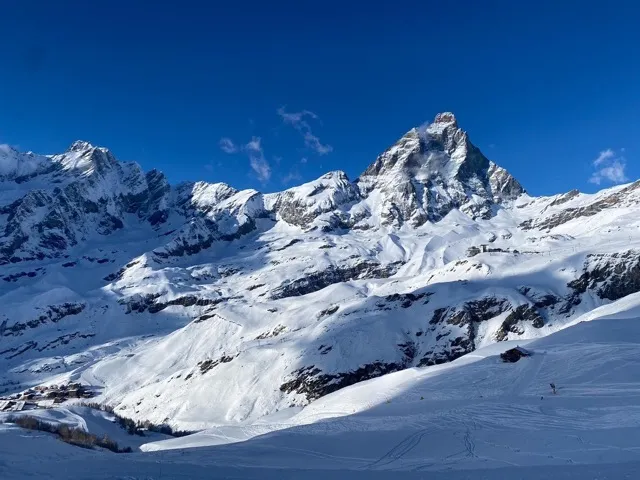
(473, 251)
(18, 406)
(515, 354)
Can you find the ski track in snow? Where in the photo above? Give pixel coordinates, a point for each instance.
(593, 420)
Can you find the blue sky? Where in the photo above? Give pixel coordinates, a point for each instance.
(295, 89)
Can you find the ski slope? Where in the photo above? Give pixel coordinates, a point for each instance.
(475, 418)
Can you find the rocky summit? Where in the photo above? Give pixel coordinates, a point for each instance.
(199, 304)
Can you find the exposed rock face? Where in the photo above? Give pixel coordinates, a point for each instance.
(628, 196)
(457, 328)
(513, 322)
(431, 171)
(207, 365)
(89, 192)
(564, 198)
(86, 191)
(312, 383)
(153, 206)
(611, 276)
(323, 198)
(426, 174)
(313, 282)
(193, 237)
(540, 299)
(52, 314)
(152, 304)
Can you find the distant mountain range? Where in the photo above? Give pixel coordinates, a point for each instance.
(199, 304)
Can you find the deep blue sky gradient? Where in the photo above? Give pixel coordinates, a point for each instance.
(542, 87)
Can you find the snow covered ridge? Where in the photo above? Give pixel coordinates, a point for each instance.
(200, 305)
(55, 203)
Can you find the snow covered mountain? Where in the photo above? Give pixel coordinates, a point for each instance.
(474, 418)
(201, 305)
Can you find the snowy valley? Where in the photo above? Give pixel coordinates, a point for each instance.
(347, 325)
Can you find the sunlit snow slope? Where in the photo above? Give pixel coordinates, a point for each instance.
(199, 305)
(473, 418)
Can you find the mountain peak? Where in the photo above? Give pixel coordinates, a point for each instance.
(446, 118)
(80, 146)
(87, 158)
(6, 149)
(432, 170)
(337, 175)
(15, 164)
(444, 124)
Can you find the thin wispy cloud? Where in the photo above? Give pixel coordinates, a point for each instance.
(298, 120)
(227, 145)
(292, 176)
(313, 142)
(253, 149)
(258, 162)
(603, 157)
(254, 145)
(610, 167)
